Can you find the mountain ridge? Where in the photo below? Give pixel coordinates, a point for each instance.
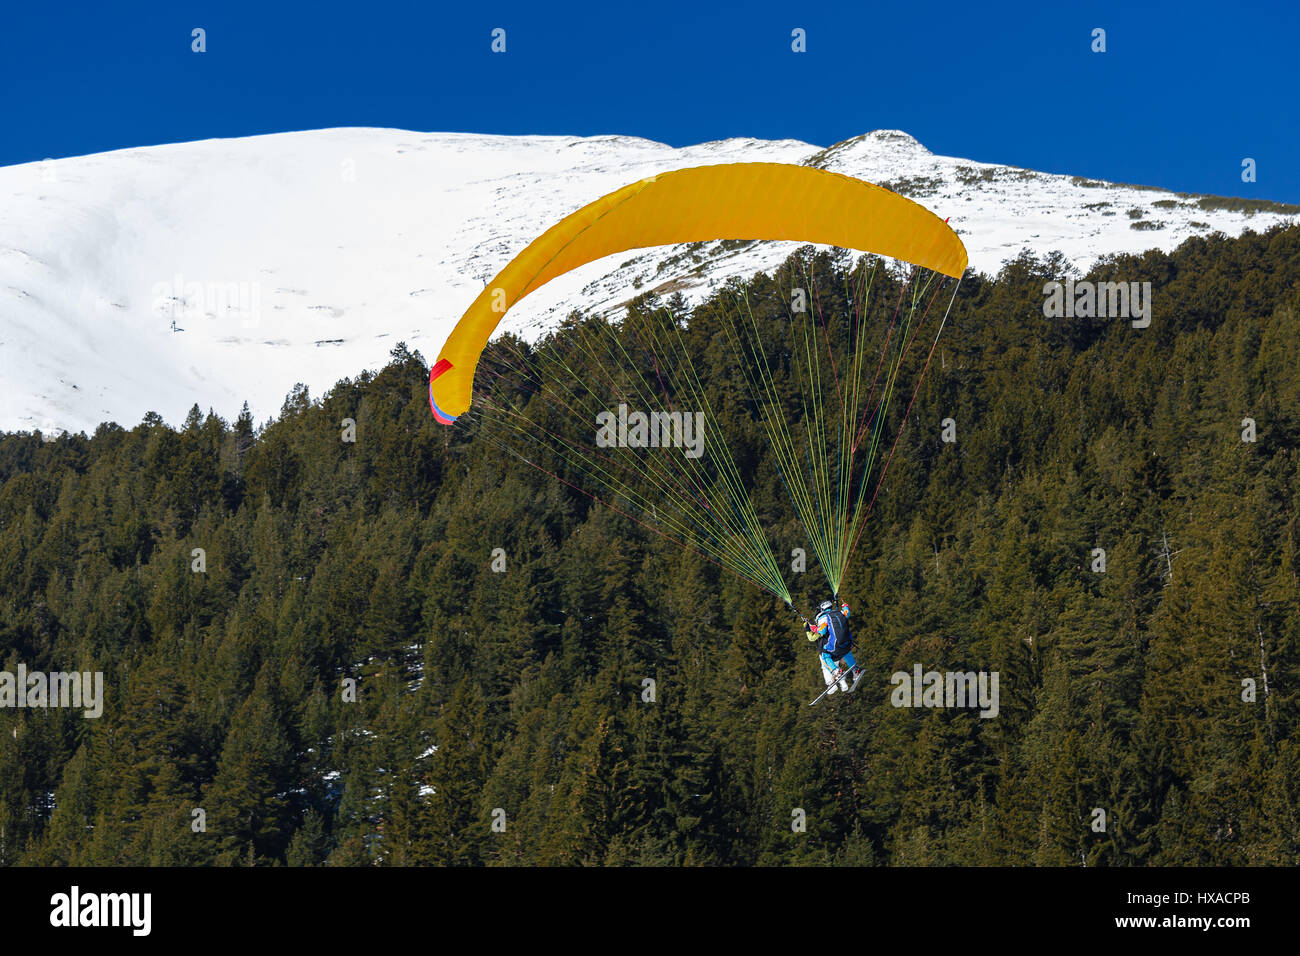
(225, 270)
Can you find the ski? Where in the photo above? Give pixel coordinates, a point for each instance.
(838, 679)
(829, 687)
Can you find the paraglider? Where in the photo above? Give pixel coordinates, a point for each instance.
(603, 407)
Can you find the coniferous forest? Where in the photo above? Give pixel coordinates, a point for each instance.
(311, 655)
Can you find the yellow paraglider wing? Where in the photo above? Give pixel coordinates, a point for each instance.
(734, 201)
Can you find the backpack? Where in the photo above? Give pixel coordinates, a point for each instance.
(839, 633)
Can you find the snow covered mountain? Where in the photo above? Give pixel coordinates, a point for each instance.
(229, 270)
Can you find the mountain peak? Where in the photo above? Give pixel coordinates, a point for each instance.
(894, 137)
(881, 148)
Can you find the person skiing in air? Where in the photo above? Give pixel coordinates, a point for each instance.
(830, 629)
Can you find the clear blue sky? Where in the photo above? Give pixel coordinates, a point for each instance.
(1184, 92)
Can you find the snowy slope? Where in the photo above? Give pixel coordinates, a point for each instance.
(305, 257)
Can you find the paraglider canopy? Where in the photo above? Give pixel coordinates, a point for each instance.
(732, 201)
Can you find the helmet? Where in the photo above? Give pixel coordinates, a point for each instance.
(826, 606)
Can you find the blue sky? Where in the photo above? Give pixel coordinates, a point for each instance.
(1183, 94)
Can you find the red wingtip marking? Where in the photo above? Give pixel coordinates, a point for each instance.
(442, 366)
